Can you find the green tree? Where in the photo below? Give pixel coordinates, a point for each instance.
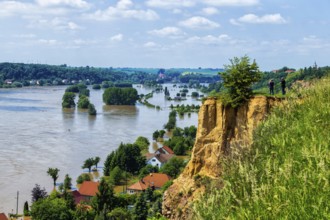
(69, 200)
(83, 102)
(83, 177)
(38, 193)
(140, 210)
(91, 109)
(238, 78)
(173, 167)
(84, 92)
(108, 164)
(96, 161)
(53, 172)
(179, 149)
(26, 210)
(195, 94)
(50, 208)
(68, 100)
(142, 142)
(127, 157)
(88, 164)
(116, 175)
(67, 182)
(155, 135)
(120, 96)
(120, 214)
(96, 86)
(161, 133)
(104, 199)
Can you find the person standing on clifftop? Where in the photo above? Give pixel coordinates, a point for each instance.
(271, 87)
(283, 85)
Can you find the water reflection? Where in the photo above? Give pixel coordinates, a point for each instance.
(124, 110)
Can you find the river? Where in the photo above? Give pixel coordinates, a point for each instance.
(36, 133)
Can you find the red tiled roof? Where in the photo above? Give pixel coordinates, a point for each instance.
(3, 216)
(163, 158)
(169, 150)
(154, 179)
(89, 188)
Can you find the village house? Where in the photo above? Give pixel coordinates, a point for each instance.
(158, 159)
(153, 180)
(165, 150)
(9, 81)
(3, 216)
(87, 190)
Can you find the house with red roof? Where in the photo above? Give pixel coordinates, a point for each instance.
(3, 216)
(88, 189)
(165, 150)
(158, 159)
(154, 180)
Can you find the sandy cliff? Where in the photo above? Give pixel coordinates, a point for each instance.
(221, 130)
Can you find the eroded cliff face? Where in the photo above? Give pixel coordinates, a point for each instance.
(221, 131)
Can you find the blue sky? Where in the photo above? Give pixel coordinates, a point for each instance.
(165, 33)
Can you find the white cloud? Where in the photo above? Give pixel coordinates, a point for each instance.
(50, 42)
(231, 2)
(150, 44)
(118, 37)
(198, 22)
(25, 36)
(170, 3)
(10, 8)
(28, 10)
(124, 4)
(210, 11)
(71, 3)
(172, 32)
(265, 19)
(123, 9)
(209, 39)
(55, 23)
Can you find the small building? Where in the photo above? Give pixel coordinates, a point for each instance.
(165, 150)
(3, 216)
(158, 159)
(88, 189)
(154, 181)
(9, 81)
(77, 197)
(290, 71)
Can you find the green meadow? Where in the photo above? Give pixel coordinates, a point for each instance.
(286, 173)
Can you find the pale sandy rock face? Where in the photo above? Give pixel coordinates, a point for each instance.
(221, 131)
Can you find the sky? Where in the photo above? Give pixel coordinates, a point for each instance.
(165, 33)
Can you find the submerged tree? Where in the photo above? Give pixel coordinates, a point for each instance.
(238, 78)
(68, 100)
(88, 164)
(53, 172)
(96, 161)
(91, 109)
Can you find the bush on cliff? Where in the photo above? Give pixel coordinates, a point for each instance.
(286, 174)
(238, 78)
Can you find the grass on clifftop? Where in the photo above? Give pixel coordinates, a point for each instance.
(286, 174)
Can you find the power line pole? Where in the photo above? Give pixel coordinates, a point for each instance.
(17, 204)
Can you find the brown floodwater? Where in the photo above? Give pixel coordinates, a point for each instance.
(35, 134)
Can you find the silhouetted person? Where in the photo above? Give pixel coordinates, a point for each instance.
(283, 85)
(271, 87)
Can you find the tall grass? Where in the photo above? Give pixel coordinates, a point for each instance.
(286, 174)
